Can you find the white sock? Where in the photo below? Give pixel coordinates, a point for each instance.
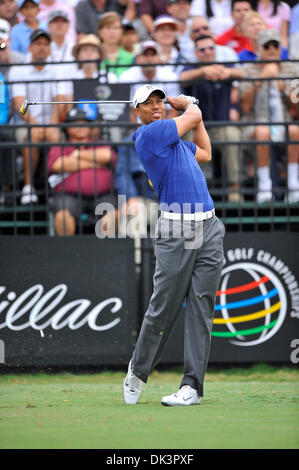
(293, 178)
(264, 180)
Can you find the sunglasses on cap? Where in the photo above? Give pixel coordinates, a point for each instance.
(273, 43)
(207, 48)
(198, 30)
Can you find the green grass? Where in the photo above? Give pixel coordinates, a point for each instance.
(248, 408)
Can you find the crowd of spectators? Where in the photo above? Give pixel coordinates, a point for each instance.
(206, 48)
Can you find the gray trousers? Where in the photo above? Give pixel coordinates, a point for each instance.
(182, 273)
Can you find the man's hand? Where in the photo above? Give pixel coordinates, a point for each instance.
(178, 103)
(181, 102)
(269, 70)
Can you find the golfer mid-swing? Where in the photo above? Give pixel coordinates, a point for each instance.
(186, 271)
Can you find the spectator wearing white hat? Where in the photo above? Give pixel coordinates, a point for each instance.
(21, 32)
(165, 31)
(180, 11)
(148, 70)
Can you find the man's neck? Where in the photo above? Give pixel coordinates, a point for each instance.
(149, 75)
(89, 70)
(165, 50)
(59, 40)
(253, 43)
(238, 30)
(32, 23)
(111, 49)
(182, 26)
(40, 65)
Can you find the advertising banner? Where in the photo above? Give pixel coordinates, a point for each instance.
(67, 301)
(76, 301)
(257, 304)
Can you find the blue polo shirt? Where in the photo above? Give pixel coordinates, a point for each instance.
(172, 168)
(246, 54)
(20, 36)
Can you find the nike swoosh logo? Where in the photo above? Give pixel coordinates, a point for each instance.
(186, 399)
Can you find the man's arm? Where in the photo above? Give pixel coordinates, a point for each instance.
(191, 114)
(202, 142)
(192, 119)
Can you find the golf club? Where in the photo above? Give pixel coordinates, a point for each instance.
(26, 104)
(23, 109)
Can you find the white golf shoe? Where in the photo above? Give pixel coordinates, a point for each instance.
(132, 388)
(184, 397)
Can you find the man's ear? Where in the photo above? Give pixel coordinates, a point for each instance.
(136, 112)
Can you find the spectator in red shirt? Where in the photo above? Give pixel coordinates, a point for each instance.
(80, 175)
(235, 37)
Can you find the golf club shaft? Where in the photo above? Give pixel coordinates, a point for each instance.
(30, 103)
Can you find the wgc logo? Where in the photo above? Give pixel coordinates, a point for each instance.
(251, 304)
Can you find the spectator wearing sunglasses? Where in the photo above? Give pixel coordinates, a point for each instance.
(200, 25)
(214, 95)
(268, 98)
(216, 11)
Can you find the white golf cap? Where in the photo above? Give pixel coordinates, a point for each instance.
(143, 92)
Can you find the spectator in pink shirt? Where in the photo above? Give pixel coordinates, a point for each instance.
(47, 6)
(80, 175)
(277, 15)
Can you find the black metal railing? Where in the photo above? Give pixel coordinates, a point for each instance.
(243, 213)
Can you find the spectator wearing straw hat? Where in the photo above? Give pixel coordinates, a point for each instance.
(88, 49)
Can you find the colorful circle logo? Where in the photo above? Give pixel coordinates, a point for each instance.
(251, 304)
